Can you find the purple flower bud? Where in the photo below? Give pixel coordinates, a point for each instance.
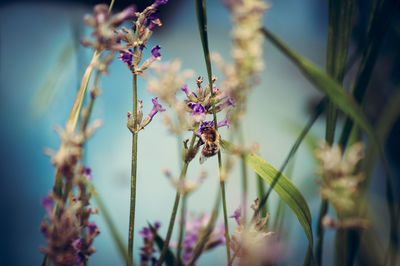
(237, 214)
(47, 202)
(92, 228)
(155, 51)
(157, 225)
(151, 21)
(198, 112)
(78, 260)
(215, 88)
(87, 172)
(156, 108)
(77, 244)
(231, 102)
(224, 122)
(125, 14)
(101, 13)
(185, 89)
(126, 57)
(161, 2)
(146, 233)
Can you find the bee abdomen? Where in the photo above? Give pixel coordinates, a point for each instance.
(210, 149)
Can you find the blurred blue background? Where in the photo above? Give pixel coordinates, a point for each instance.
(33, 35)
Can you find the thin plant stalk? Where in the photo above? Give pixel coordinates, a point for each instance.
(201, 14)
(244, 176)
(181, 229)
(175, 208)
(133, 171)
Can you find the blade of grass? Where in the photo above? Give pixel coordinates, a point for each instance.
(261, 193)
(283, 186)
(326, 84)
(317, 112)
(378, 28)
(380, 19)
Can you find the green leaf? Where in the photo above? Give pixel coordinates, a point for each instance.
(341, 18)
(286, 190)
(327, 85)
(169, 256)
(202, 22)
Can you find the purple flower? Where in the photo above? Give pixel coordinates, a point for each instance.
(228, 102)
(157, 225)
(92, 228)
(78, 261)
(215, 88)
(198, 112)
(47, 204)
(77, 244)
(186, 90)
(126, 57)
(125, 14)
(160, 2)
(87, 172)
(224, 122)
(146, 233)
(156, 108)
(194, 229)
(155, 51)
(151, 21)
(237, 214)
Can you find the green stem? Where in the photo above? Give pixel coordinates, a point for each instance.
(320, 232)
(201, 14)
(244, 175)
(133, 172)
(181, 230)
(175, 208)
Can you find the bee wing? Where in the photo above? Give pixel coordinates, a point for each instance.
(202, 158)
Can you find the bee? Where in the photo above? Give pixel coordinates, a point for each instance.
(210, 137)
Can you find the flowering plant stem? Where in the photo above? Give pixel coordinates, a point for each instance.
(175, 208)
(133, 171)
(182, 223)
(202, 23)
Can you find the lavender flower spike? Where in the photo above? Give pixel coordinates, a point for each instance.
(156, 108)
